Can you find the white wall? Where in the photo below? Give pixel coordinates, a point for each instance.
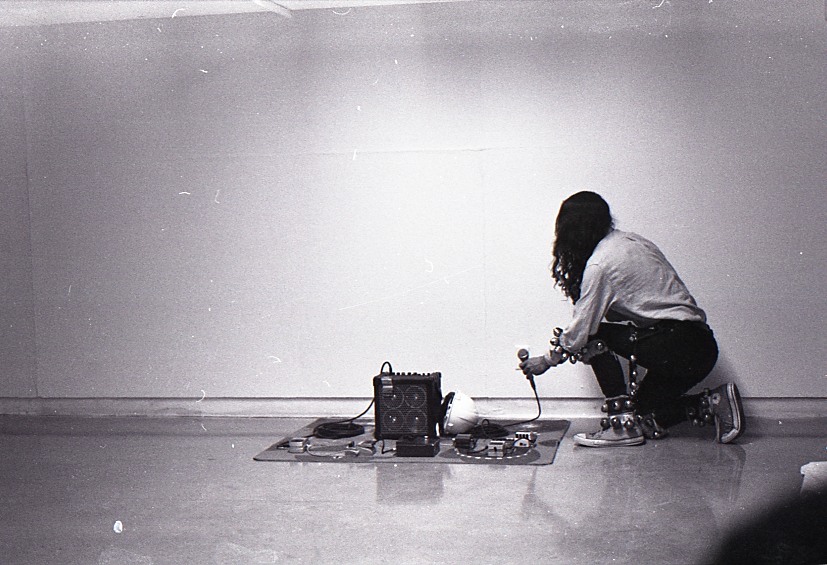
(257, 207)
(17, 339)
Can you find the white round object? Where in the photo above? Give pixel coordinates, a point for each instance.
(460, 415)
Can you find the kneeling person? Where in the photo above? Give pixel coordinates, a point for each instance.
(627, 295)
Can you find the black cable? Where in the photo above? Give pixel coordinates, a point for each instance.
(342, 428)
(488, 430)
(346, 428)
(338, 430)
(539, 408)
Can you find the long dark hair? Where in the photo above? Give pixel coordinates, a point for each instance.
(584, 219)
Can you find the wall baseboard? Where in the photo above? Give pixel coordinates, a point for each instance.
(495, 408)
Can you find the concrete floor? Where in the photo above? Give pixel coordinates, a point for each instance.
(187, 491)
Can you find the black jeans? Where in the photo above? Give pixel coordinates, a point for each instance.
(677, 356)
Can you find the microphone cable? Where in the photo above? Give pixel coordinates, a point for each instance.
(347, 428)
(341, 429)
(539, 407)
(523, 355)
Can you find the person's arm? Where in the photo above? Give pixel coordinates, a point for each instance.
(596, 296)
(595, 299)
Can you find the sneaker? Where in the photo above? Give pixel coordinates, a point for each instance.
(725, 404)
(611, 437)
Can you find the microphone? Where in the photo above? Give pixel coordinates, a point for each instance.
(522, 355)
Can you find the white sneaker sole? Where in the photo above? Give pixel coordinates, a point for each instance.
(737, 410)
(585, 441)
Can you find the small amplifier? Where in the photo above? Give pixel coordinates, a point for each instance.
(407, 404)
(417, 447)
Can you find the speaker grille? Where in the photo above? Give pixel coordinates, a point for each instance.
(406, 405)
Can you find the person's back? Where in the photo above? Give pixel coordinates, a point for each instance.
(645, 286)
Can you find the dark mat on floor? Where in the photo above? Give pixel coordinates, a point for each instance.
(365, 449)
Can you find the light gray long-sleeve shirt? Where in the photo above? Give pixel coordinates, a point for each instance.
(627, 278)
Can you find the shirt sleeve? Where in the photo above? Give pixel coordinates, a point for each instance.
(590, 309)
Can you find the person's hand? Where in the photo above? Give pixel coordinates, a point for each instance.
(535, 366)
(556, 356)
